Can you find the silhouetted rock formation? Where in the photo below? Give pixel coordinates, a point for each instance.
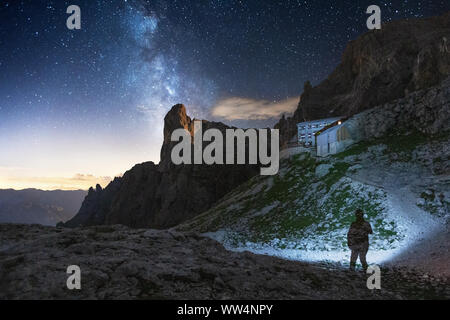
(163, 195)
(378, 67)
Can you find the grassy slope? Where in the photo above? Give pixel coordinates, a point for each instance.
(310, 203)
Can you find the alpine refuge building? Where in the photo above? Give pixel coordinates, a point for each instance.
(306, 130)
(334, 138)
(328, 136)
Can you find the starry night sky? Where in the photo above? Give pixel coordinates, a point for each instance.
(92, 101)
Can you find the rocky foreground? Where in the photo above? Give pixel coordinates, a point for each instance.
(121, 263)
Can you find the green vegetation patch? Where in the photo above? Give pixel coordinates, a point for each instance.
(309, 210)
(299, 210)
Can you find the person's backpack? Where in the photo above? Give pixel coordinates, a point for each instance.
(357, 234)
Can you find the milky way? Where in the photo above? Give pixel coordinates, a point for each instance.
(153, 76)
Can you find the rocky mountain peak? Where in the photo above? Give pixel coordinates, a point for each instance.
(176, 118)
(165, 194)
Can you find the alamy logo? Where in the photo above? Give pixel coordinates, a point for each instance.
(74, 280)
(213, 152)
(74, 20)
(374, 281)
(374, 21)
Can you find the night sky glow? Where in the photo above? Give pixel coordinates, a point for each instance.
(80, 106)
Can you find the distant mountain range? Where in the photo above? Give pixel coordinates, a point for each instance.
(38, 206)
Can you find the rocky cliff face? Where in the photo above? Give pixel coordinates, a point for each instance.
(426, 111)
(378, 67)
(163, 195)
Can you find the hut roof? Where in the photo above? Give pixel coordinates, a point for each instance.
(336, 125)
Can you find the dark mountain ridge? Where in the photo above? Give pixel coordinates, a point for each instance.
(378, 67)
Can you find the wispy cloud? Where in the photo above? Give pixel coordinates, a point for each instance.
(238, 108)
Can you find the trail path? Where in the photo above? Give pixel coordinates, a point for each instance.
(427, 238)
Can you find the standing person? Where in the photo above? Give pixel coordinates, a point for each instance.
(358, 239)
